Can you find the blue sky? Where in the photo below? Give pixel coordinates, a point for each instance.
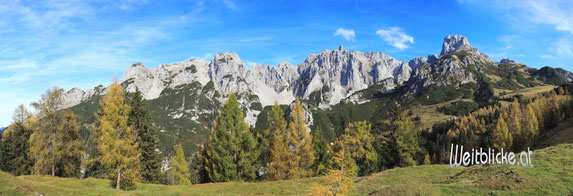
(71, 43)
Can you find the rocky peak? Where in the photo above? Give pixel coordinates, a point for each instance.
(224, 64)
(137, 70)
(285, 65)
(432, 58)
(453, 43)
(506, 60)
(340, 47)
(417, 62)
(341, 73)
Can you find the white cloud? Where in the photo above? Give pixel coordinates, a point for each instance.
(396, 37)
(347, 34)
(556, 13)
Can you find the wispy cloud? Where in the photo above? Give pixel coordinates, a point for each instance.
(559, 14)
(69, 43)
(563, 47)
(547, 25)
(230, 4)
(347, 34)
(396, 37)
(508, 41)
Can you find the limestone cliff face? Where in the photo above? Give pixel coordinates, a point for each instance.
(327, 77)
(338, 73)
(343, 72)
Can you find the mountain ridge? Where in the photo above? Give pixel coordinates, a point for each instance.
(337, 86)
(295, 78)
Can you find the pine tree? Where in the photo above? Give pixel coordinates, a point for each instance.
(406, 140)
(359, 142)
(322, 154)
(15, 144)
(233, 149)
(301, 143)
(140, 120)
(180, 167)
(501, 138)
(118, 140)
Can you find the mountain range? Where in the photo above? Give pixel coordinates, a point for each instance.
(336, 86)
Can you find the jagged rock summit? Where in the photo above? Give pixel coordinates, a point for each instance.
(506, 60)
(450, 68)
(453, 43)
(326, 77)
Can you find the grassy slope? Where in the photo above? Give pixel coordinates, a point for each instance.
(561, 134)
(552, 174)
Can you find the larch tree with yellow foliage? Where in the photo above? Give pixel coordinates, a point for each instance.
(300, 143)
(359, 143)
(514, 125)
(339, 180)
(530, 128)
(501, 138)
(280, 160)
(180, 169)
(55, 144)
(43, 141)
(118, 141)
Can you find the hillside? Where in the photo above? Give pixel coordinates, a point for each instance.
(336, 86)
(552, 174)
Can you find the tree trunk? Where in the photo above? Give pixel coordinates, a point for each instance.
(118, 179)
(53, 155)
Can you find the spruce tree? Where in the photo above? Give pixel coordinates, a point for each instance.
(301, 142)
(15, 144)
(180, 167)
(140, 120)
(359, 143)
(322, 154)
(232, 153)
(198, 163)
(406, 140)
(117, 140)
